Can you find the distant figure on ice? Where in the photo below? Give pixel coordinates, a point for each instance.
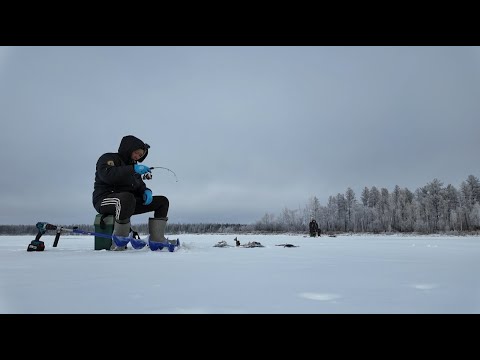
(237, 242)
(313, 226)
(119, 190)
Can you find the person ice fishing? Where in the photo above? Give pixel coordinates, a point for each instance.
(313, 226)
(120, 190)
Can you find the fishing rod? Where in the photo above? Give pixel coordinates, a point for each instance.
(148, 176)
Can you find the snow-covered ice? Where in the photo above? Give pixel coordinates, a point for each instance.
(345, 274)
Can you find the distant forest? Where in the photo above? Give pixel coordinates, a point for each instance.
(433, 208)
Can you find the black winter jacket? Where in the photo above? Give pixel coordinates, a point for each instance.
(114, 171)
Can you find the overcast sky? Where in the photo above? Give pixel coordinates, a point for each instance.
(247, 130)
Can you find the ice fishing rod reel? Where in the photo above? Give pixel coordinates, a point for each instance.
(149, 176)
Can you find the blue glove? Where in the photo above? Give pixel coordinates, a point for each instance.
(147, 197)
(141, 169)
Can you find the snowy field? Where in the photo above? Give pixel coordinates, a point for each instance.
(346, 274)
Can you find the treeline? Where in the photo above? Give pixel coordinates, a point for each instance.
(433, 208)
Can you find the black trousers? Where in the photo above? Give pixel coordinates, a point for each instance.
(124, 204)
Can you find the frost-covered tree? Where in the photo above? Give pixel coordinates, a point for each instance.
(408, 208)
(395, 206)
(349, 203)
(434, 205)
(341, 212)
(374, 197)
(421, 212)
(475, 216)
(267, 223)
(384, 212)
(314, 207)
(451, 204)
(473, 184)
(290, 220)
(365, 196)
(467, 202)
(331, 213)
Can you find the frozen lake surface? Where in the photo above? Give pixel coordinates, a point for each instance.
(346, 274)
